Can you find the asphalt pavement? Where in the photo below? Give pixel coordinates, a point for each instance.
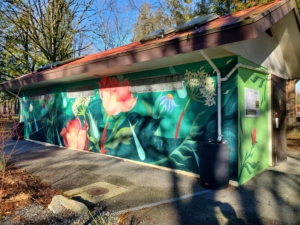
(158, 196)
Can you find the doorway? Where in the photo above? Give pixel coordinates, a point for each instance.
(278, 104)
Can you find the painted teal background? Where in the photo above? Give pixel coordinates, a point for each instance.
(147, 132)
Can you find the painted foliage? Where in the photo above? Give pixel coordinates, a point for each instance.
(159, 127)
(253, 131)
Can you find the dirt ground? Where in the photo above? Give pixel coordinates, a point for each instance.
(20, 189)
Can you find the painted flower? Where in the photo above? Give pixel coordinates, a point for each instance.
(168, 102)
(254, 136)
(116, 96)
(209, 101)
(74, 135)
(30, 107)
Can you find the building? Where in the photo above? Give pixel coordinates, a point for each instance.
(153, 101)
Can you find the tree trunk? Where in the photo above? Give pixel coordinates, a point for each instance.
(291, 106)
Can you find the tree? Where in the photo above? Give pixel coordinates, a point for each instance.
(46, 28)
(149, 21)
(113, 23)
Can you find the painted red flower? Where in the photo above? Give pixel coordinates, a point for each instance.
(254, 136)
(74, 135)
(116, 96)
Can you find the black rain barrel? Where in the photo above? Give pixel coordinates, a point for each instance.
(18, 131)
(214, 160)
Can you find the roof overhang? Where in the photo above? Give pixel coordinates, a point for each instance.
(177, 49)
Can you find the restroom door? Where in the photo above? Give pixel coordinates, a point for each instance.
(278, 120)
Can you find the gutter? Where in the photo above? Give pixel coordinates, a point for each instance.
(220, 80)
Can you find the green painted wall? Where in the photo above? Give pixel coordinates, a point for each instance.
(161, 128)
(253, 133)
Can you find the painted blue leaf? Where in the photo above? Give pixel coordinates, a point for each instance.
(196, 158)
(138, 145)
(231, 110)
(228, 123)
(183, 92)
(36, 126)
(228, 134)
(58, 138)
(65, 103)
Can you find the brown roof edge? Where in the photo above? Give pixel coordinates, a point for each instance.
(242, 30)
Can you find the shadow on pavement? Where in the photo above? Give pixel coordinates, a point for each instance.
(270, 198)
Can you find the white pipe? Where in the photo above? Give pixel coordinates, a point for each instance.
(243, 66)
(20, 104)
(219, 138)
(219, 80)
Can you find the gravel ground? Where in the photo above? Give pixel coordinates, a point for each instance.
(37, 214)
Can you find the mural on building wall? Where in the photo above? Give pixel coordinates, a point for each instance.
(159, 127)
(253, 130)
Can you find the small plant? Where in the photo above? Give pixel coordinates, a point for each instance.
(7, 129)
(104, 219)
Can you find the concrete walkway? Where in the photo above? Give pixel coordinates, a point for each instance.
(157, 196)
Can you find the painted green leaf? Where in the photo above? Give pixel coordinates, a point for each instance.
(241, 122)
(175, 162)
(91, 139)
(255, 79)
(197, 118)
(253, 164)
(148, 108)
(185, 148)
(114, 130)
(194, 134)
(247, 168)
(155, 110)
(90, 148)
(179, 154)
(195, 128)
(81, 111)
(191, 142)
(124, 135)
(240, 148)
(261, 84)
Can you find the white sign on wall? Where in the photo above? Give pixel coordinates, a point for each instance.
(251, 103)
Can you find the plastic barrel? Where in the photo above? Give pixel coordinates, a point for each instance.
(214, 162)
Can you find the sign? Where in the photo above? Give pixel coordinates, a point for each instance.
(251, 103)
